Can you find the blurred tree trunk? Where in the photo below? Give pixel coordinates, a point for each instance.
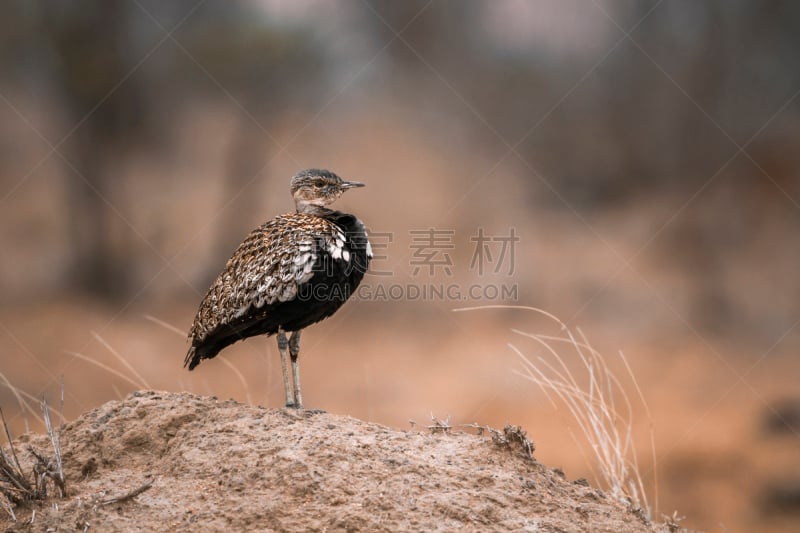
(247, 158)
(89, 43)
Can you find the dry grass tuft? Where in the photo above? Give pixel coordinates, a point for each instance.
(515, 436)
(15, 486)
(598, 402)
(510, 436)
(440, 426)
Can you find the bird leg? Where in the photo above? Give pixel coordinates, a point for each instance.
(294, 352)
(287, 383)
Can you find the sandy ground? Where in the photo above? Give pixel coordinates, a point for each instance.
(221, 465)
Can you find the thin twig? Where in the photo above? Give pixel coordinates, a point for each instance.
(128, 495)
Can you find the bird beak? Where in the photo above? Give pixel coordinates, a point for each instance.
(351, 184)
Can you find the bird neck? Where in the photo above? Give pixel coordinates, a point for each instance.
(310, 208)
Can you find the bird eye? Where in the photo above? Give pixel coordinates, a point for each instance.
(319, 183)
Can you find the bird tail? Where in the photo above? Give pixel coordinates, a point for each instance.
(198, 353)
(192, 358)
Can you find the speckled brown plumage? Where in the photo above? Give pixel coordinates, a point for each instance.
(290, 272)
(266, 268)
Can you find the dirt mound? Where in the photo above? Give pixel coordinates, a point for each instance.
(205, 464)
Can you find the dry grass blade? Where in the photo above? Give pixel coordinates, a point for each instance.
(106, 368)
(165, 325)
(56, 475)
(650, 421)
(61, 413)
(225, 360)
(21, 396)
(8, 507)
(10, 442)
(118, 392)
(551, 316)
(239, 376)
(14, 486)
(142, 382)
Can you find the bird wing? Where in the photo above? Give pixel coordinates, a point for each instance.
(268, 267)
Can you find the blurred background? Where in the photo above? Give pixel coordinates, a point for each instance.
(630, 167)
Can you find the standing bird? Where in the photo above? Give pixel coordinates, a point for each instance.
(291, 272)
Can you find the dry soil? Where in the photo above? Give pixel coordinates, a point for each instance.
(215, 465)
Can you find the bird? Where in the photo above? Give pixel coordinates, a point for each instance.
(289, 273)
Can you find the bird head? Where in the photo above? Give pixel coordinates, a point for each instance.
(313, 189)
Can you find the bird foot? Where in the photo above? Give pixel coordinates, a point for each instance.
(305, 412)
